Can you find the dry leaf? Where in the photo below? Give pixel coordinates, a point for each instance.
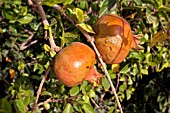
(12, 73)
(158, 37)
(8, 59)
(115, 67)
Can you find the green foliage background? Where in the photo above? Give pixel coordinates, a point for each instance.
(144, 76)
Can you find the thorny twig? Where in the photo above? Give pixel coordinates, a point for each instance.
(91, 41)
(40, 87)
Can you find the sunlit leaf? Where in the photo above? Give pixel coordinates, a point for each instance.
(128, 94)
(79, 15)
(165, 65)
(87, 28)
(19, 106)
(47, 106)
(68, 2)
(164, 8)
(47, 48)
(26, 100)
(46, 93)
(92, 93)
(125, 69)
(74, 91)
(115, 67)
(68, 108)
(51, 2)
(122, 87)
(88, 108)
(26, 19)
(144, 71)
(158, 37)
(52, 53)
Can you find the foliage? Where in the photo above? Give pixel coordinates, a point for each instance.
(142, 79)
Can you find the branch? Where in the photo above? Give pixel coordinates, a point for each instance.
(46, 23)
(25, 44)
(40, 87)
(91, 41)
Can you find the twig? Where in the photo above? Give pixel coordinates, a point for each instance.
(40, 87)
(24, 44)
(46, 23)
(91, 41)
(97, 106)
(30, 2)
(118, 79)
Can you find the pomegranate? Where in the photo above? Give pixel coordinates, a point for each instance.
(74, 64)
(113, 38)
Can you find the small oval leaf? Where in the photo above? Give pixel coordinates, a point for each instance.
(74, 91)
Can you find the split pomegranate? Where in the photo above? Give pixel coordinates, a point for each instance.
(113, 38)
(74, 64)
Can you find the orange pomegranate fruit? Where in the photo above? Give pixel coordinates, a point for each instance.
(74, 64)
(113, 38)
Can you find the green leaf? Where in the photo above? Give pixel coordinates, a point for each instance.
(68, 108)
(165, 65)
(35, 67)
(19, 106)
(51, 2)
(46, 93)
(47, 106)
(83, 4)
(164, 8)
(26, 100)
(152, 20)
(122, 87)
(87, 27)
(86, 99)
(1, 31)
(88, 108)
(71, 37)
(83, 87)
(74, 91)
(125, 69)
(105, 83)
(5, 106)
(79, 15)
(26, 19)
(106, 6)
(92, 93)
(68, 2)
(128, 94)
(138, 2)
(144, 71)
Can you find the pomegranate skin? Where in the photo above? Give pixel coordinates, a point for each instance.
(113, 38)
(73, 63)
